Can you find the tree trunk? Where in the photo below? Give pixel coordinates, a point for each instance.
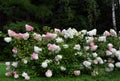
(113, 15)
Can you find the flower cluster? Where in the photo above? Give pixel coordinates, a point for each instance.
(62, 52)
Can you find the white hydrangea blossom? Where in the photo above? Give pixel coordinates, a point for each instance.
(87, 64)
(48, 61)
(109, 69)
(100, 60)
(44, 64)
(113, 50)
(7, 63)
(110, 45)
(15, 64)
(95, 61)
(77, 47)
(102, 38)
(7, 39)
(92, 32)
(94, 54)
(117, 64)
(57, 49)
(89, 39)
(110, 65)
(65, 46)
(62, 68)
(24, 74)
(113, 32)
(70, 33)
(59, 56)
(37, 49)
(26, 36)
(84, 32)
(24, 61)
(59, 40)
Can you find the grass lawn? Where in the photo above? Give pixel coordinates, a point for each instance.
(113, 76)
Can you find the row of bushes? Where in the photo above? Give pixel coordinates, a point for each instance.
(62, 52)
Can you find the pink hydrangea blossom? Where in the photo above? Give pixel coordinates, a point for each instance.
(86, 48)
(54, 48)
(19, 35)
(28, 27)
(51, 35)
(14, 72)
(11, 33)
(37, 36)
(92, 43)
(34, 56)
(106, 33)
(16, 76)
(77, 72)
(94, 48)
(48, 73)
(14, 50)
(51, 47)
(24, 36)
(8, 74)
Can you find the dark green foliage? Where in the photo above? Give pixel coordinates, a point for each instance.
(80, 14)
(6, 54)
(93, 12)
(85, 14)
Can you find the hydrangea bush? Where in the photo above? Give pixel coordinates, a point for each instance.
(62, 53)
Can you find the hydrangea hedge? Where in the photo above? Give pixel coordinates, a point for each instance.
(62, 53)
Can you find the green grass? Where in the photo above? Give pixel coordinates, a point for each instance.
(113, 76)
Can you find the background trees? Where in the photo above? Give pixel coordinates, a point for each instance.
(80, 14)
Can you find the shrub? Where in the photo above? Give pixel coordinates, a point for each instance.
(62, 53)
(18, 27)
